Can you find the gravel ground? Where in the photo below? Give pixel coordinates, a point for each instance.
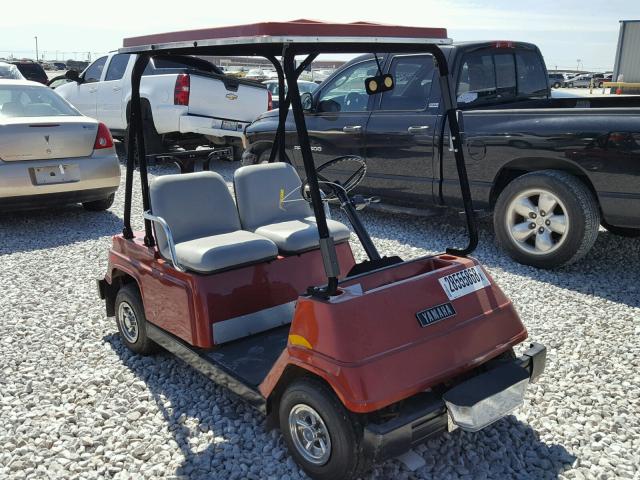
(76, 404)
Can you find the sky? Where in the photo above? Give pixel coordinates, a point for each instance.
(570, 33)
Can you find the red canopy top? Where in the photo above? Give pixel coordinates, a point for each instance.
(307, 31)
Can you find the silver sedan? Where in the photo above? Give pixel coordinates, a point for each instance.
(50, 153)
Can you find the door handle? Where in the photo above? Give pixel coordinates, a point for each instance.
(93, 90)
(117, 89)
(418, 129)
(352, 129)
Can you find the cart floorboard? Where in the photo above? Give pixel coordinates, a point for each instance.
(250, 359)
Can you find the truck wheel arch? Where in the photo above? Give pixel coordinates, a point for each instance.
(519, 167)
(261, 146)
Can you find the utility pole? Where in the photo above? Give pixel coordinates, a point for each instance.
(36, 48)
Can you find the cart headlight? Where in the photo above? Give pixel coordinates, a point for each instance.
(488, 410)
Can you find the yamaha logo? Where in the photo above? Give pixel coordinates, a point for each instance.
(231, 96)
(435, 314)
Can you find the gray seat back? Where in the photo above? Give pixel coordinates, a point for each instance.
(195, 205)
(259, 191)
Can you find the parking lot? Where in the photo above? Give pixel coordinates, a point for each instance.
(77, 404)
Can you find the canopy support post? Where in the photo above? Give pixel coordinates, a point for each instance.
(451, 113)
(135, 147)
(327, 247)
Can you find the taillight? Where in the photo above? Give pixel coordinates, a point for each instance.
(503, 44)
(269, 100)
(103, 138)
(181, 90)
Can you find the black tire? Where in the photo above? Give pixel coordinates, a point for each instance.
(346, 460)
(622, 231)
(557, 85)
(153, 143)
(238, 150)
(582, 212)
(100, 205)
(130, 295)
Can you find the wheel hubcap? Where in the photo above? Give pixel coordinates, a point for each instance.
(310, 435)
(537, 222)
(128, 322)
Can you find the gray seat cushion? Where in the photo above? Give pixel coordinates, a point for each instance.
(223, 251)
(204, 222)
(294, 236)
(258, 190)
(269, 203)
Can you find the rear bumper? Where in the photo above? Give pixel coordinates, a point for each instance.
(50, 199)
(210, 126)
(97, 177)
(426, 414)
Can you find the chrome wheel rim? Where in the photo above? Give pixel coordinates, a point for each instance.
(128, 322)
(537, 222)
(310, 435)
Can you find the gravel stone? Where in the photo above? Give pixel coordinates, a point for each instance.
(76, 404)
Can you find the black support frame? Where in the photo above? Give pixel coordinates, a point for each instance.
(288, 71)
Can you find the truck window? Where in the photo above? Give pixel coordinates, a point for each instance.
(346, 92)
(477, 78)
(94, 71)
(117, 66)
(413, 78)
(532, 80)
(505, 74)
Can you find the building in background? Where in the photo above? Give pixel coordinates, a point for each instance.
(627, 61)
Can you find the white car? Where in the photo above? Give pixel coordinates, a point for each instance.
(580, 81)
(186, 101)
(9, 72)
(50, 153)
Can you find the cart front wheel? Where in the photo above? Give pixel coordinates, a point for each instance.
(131, 321)
(321, 435)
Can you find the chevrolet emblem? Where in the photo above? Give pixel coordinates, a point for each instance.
(231, 96)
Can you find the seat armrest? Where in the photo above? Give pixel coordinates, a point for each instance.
(167, 232)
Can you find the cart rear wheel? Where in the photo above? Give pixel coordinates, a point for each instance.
(131, 321)
(321, 435)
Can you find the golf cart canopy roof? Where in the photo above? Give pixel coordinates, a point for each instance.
(271, 37)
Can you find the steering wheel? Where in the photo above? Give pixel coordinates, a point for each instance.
(329, 187)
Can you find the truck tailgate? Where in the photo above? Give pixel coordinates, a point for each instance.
(227, 98)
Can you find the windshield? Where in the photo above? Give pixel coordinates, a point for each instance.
(32, 101)
(10, 72)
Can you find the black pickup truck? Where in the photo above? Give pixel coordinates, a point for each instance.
(551, 169)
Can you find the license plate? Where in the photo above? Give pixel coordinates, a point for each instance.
(227, 125)
(58, 174)
(464, 282)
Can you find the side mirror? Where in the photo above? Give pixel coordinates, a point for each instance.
(307, 101)
(72, 75)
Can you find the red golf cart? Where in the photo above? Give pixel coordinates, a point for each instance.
(259, 290)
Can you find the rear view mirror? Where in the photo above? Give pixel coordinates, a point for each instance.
(379, 84)
(307, 101)
(72, 75)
